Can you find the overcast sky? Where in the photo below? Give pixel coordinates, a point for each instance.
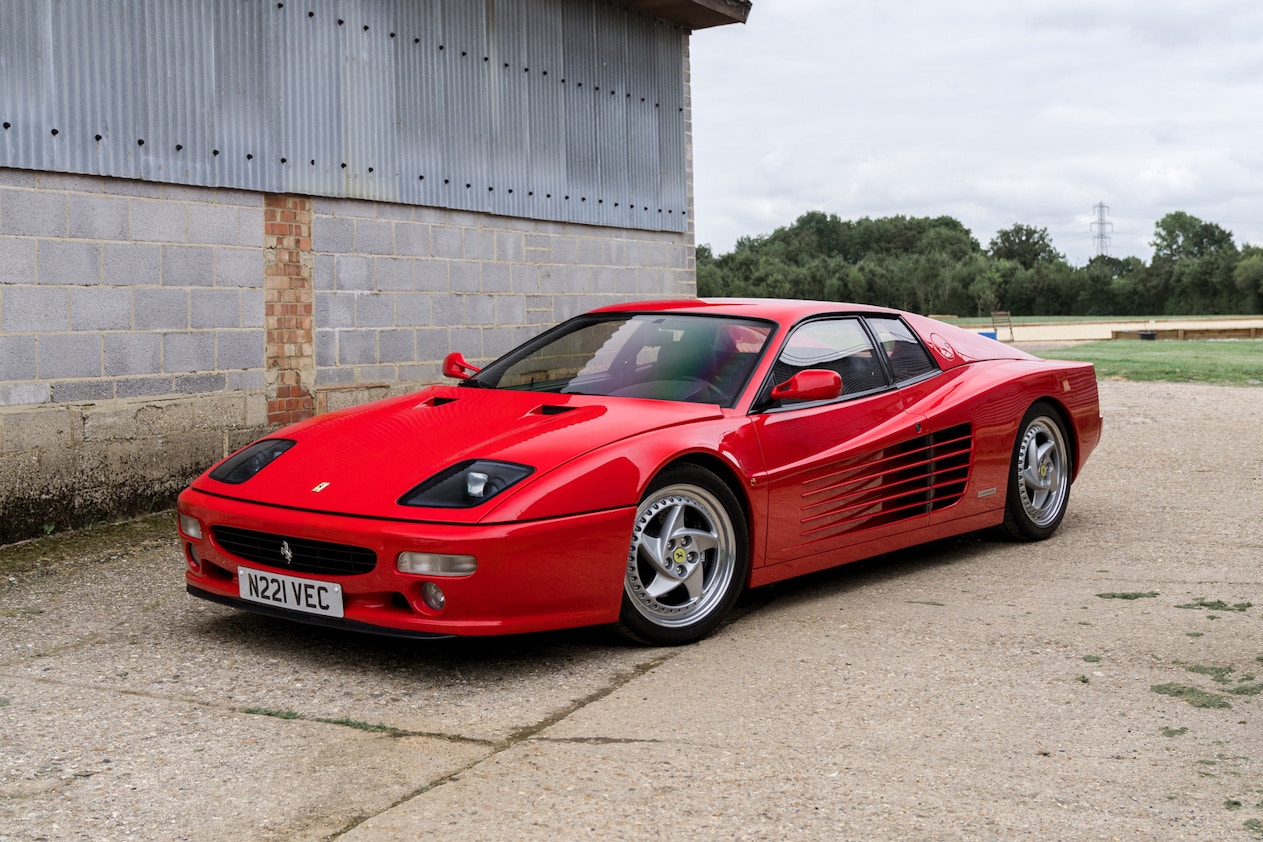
(992, 112)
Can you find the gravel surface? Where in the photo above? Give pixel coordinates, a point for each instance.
(1104, 684)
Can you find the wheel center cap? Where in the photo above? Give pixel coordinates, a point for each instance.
(679, 556)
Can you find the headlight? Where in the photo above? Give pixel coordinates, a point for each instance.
(244, 464)
(466, 484)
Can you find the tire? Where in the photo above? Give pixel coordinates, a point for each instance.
(1039, 476)
(688, 559)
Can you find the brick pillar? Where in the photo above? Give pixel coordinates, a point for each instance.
(287, 308)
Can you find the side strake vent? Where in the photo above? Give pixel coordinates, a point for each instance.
(899, 482)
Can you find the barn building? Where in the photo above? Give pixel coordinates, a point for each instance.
(221, 216)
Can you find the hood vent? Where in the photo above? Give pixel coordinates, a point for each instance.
(435, 401)
(546, 409)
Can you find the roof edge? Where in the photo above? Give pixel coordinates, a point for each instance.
(695, 14)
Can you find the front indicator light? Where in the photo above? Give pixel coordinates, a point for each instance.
(436, 564)
(191, 527)
(433, 596)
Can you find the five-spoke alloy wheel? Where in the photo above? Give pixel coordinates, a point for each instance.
(688, 558)
(1039, 478)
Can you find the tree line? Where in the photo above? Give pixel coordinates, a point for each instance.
(934, 265)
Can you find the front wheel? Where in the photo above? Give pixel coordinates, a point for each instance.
(688, 558)
(1039, 476)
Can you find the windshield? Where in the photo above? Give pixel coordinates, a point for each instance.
(700, 359)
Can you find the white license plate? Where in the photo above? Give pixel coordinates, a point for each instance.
(307, 595)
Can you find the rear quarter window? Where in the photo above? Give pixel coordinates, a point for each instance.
(908, 358)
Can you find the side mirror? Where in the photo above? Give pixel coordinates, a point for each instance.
(454, 365)
(813, 384)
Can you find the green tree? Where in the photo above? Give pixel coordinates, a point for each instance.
(1248, 277)
(1194, 261)
(813, 235)
(1178, 235)
(710, 281)
(934, 265)
(985, 291)
(1026, 246)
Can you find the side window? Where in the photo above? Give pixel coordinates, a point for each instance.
(840, 345)
(907, 356)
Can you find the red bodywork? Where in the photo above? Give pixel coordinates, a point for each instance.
(552, 550)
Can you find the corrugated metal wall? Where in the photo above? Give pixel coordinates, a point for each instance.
(549, 109)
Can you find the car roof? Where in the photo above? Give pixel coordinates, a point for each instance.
(785, 311)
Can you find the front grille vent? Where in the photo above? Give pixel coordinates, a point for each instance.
(305, 555)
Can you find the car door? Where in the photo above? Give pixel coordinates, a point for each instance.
(946, 427)
(850, 470)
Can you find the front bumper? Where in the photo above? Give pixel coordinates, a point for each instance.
(534, 576)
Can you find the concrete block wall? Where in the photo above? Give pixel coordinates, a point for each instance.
(398, 287)
(142, 337)
(131, 342)
(146, 329)
(118, 289)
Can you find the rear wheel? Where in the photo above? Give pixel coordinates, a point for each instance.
(1039, 477)
(688, 558)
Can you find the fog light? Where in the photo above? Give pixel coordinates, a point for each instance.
(195, 561)
(436, 564)
(191, 526)
(433, 596)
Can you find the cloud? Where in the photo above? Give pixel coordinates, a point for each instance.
(993, 113)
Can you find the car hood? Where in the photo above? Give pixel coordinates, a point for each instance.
(360, 461)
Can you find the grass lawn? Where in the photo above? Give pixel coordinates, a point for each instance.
(1232, 362)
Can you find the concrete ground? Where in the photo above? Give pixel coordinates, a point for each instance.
(1104, 684)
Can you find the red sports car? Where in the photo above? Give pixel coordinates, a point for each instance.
(641, 465)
